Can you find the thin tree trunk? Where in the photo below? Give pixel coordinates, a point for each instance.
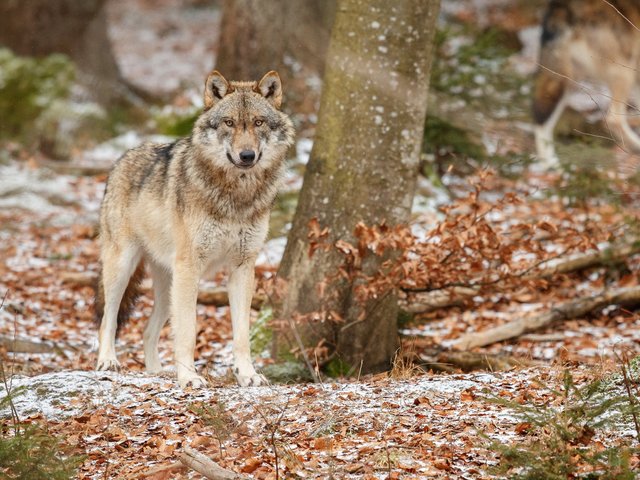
(259, 36)
(363, 168)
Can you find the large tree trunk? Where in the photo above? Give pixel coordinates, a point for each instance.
(363, 168)
(77, 28)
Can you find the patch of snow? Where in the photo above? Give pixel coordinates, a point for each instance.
(34, 190)
(303, 150)
(108, 152)
(272, 252)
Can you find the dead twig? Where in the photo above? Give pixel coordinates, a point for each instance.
(205, 466)
(566, 311)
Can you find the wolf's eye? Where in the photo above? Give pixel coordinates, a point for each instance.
(258, 123)
(228, 123)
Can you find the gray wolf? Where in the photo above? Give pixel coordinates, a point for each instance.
(592, 40)
(182, 208)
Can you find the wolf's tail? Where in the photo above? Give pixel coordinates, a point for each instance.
(548, 91)
(131, 294)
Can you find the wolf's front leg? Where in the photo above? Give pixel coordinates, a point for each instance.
(240, 294)
(184, 294)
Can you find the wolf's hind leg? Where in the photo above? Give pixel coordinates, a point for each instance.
(161, 294)
(621, 85)
(118, 264)
(549, 101)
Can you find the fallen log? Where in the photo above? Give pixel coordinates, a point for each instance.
(216, 296)
(622, 296)
(429, 301)
(425, 302)
(23, 345)
(205, 466)
(611, 254)
(451, 361)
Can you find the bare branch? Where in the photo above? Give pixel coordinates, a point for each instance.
(566, 311)
(205, 466)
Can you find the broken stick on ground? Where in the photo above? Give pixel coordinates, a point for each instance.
(566, 311)
(205, 466)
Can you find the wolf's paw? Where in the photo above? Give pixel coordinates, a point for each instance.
(192, 380)
(254, 380)
(153, 368)
(108, 364)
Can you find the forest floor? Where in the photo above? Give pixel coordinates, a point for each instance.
(411, 423)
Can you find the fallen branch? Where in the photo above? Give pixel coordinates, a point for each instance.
(22, 345)
(429, 301)
(205, 466)
(216, 296)
(611, 254)
(566, 311)
(452, 362)
(425, 302)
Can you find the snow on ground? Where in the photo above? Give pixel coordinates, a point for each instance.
(349, 428)
(164, 46)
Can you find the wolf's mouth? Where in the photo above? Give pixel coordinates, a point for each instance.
(243, 166)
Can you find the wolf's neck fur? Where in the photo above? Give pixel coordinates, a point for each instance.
(229, 194)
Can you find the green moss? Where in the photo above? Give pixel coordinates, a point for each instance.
(29, 452)
(176, 124)
(444, 139)
(282, 213)
(404, 318)
(585, 174)
(261, 334)
(28, 86)
(475, 68)
(337, 367)
(287, 372)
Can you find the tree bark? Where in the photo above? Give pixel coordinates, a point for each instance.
(259, 36)
(77, 28)
(363, 168)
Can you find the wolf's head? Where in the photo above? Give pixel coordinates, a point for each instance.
(242, 127)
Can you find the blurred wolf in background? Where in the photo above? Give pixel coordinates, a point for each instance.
(594, 40)
(184, 207)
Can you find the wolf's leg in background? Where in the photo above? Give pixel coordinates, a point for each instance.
(161, 302)
(184, 295)
(241, 285)
(549, 101)
(545, 148)
(621, 83)
(118, 264)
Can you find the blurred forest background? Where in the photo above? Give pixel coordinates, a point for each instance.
(470, 260)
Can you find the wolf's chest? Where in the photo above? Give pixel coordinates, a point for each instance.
(224, 243)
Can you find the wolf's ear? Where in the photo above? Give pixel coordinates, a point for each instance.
(270, 87)
(215, 88)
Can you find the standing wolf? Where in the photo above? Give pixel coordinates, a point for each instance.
(594, 40)
(184, 207)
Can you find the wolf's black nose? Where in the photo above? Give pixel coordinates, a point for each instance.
(247, 156)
